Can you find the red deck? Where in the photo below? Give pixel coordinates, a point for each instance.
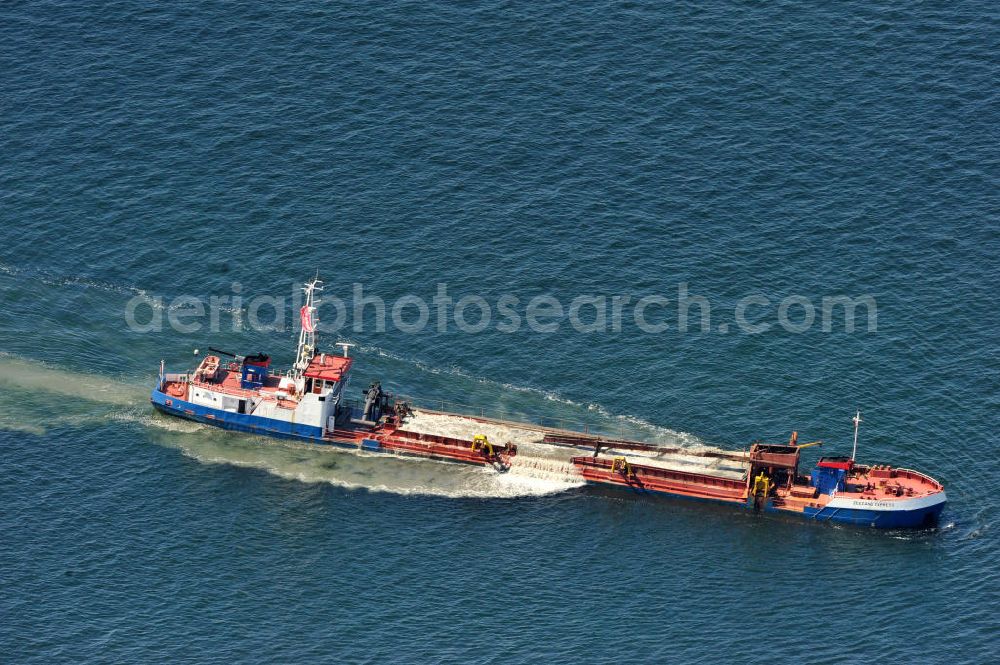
(328, 367)
(227, 379)
(884, 483)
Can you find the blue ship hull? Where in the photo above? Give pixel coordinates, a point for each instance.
(908, 514)
(924, 516)
(250, 424)
(238, 422)
(879, 519)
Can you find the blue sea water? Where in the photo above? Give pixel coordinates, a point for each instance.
(560, 148)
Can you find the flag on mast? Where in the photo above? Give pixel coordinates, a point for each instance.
(306, 316)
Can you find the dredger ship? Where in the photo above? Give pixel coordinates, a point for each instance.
(307, 402)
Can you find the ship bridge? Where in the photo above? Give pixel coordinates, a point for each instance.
(326, 371)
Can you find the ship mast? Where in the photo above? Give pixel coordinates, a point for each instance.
(857, 421)
(307, 333)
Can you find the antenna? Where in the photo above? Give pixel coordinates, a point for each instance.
(857, 421)
(345, 346)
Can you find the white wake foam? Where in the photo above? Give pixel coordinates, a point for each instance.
(538, 469)
(373, 472)
(34, 376)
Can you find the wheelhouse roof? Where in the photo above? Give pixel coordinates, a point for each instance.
(328, 367)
